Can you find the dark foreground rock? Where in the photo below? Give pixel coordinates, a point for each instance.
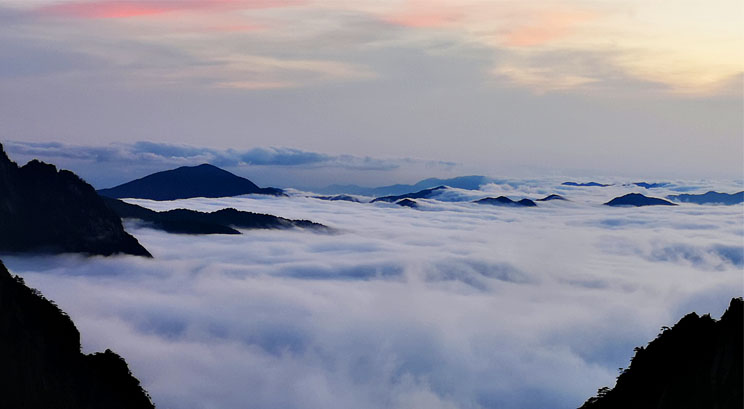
(637, 200)
(710, 198)
(505, 201)
(223, 221)
(42, 366)
(696, 364)
(188, 181)
(46, 210)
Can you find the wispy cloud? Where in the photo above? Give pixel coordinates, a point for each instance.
(546, 27)
(173, 154)
(659, 46)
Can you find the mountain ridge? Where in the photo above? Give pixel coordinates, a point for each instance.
(224, 221)
(710, 197)
(470, 182)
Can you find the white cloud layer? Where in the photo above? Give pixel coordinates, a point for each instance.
(455, 305)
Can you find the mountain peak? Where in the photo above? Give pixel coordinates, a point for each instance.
(205, 180)
(637, 199)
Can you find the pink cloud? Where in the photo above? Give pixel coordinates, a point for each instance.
(112, 9)
(546, 27)
(97, 9)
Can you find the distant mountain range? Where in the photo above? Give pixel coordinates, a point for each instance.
(223, 221)
(710, 198)
(696, 364)
(433, 193)
(42, 366)
(647, 185)
(50, 211)
(473, 182)
(421, 194)
(186, 182)
(588, 184)
(637, 200)
(338, 198)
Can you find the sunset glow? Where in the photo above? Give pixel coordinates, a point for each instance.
(643, 40)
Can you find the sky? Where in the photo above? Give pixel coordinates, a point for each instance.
(453, 305)
(495, 87)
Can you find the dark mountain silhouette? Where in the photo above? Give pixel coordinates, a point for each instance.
(710, 198)
(589, 184)
(551, 197)
(188, 181)
(345, 198)
(651, 185)
(223, 221)
(696, 364)
(422, 194)
(46, 210)
(472, 182)
(42, 367)
(407, 203)
(505, 201)
(637, 199)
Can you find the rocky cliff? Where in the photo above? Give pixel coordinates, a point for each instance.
(42, 366)
(43, 209)
(694, 365)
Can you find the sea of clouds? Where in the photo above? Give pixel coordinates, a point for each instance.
(452, 305)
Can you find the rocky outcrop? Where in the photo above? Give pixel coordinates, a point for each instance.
(695, 364)
(42, 366)
(43, 209)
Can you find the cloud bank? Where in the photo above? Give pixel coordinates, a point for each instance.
(455, 305)
(126, 161)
